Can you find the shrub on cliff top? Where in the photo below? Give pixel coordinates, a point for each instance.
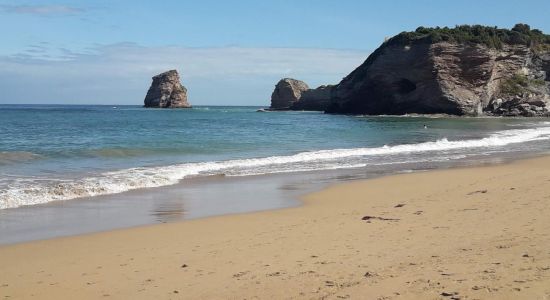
(493, 37)
(518, 84)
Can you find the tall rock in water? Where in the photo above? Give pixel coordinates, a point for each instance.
(292, 94)
(287, 91)
(166, 91)
(467, 70)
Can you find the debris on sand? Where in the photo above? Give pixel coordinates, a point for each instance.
(369, 218)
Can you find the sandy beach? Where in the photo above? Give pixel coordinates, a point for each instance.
(469, 233)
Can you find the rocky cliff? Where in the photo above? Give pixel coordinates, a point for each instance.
(314, 99)
(166, 91)
(468, 70)
(292, 94)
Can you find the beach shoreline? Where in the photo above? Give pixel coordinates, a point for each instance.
(464, 233)
(194, 198)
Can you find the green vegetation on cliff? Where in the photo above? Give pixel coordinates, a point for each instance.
(518, 84)
(493, 37)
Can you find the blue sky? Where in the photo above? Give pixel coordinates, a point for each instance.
(228, 52)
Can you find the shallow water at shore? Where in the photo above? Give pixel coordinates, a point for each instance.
(194, 198)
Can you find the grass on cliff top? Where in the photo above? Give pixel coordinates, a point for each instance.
(518, 84)
(492, 37)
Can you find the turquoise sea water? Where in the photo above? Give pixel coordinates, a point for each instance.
(54, 152)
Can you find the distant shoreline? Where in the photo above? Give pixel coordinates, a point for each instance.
(267, 109)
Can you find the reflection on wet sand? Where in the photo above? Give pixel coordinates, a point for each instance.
(169, 212)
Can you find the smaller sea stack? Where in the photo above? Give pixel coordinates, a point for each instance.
(286, 93)
(166, 91)
(292, 94)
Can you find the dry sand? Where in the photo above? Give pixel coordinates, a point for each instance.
(474, 233)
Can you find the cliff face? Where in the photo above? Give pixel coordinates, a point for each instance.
(292, 94)
(423, 76)
(314, 99)
(166, 91)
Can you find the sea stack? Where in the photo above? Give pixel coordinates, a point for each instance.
(166, 91)
(293, 94)
(287, 91)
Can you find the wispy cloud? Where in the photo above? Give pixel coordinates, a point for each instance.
(121, 73)
(42, 10)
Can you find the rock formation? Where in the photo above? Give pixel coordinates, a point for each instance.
(292, 94)
(469, 70)
(287, 91)
(314, 99)
(166, 91)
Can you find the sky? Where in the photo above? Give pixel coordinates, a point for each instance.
(227, 52)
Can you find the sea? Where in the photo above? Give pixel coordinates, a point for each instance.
(51, 155)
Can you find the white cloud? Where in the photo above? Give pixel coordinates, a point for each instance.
(41, 9)
(121, 73)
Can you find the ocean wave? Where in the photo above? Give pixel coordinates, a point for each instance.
(36, 192)
(116, 152)
(9, 157)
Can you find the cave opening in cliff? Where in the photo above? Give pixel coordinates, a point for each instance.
(405, 86)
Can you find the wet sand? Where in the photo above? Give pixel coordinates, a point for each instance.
(470, 233)
(192, 198)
